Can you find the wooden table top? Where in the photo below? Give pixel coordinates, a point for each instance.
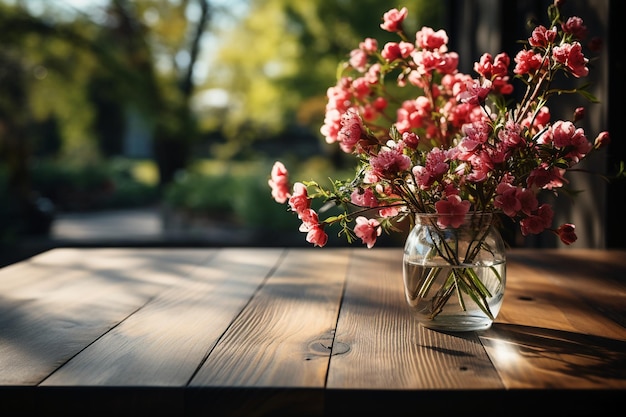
(301, 331)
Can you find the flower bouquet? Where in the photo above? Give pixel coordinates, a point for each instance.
(458, 145)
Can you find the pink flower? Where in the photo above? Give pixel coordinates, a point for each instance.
(531, 225)
(542, 37)
(562, 133)
(454, 142)
(364, 197)
(339, 101)
(527, 62)
(565, 134)
(428, 39)
(406, 48)
(511, 134)
(310, 219)
(368, 230)
(451, 211)
(351, 130)
(380, 103)
(388, 163)
(391, 51)
(449, 63)
(388, 211)
(430, 61)
(410, 140)
(311, 226)
(471, 146)
(299, 200)
(436, 166)
(580, 147)
(567, 233)
(507, 199)
(412, 114)
(361, 88)
(528, 199)
(317, 236)
(279, 182)
(482, 164)
(358, 59)
(394, 50)
(369, 45)
(422, 177)
(513, 200)
(495, 71)
(546, 177)
(392, 20)
(476, 94)
(571, 56)
(537, 223)
(373, 73)
(536, 122)
(575, 26)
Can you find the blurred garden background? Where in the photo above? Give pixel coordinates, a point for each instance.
(181, 107)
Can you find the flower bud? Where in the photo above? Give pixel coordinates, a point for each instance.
(380, 103)
(602, 140)
(567, 233)
(410, 139)
(579, 114)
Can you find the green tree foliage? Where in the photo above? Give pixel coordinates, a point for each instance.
(89, 74)
(278, 59)
(42, 79)
(159, 43)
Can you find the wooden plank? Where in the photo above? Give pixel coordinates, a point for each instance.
(550, 289)
(164, 342)
(279, 346)
(567, 290)
(83, 294)
(381, 346)
(597, 278)
(22, 274)
(283, 337)
(46, 272)
(540, 358)
(129, 329)
(531, 299)
(551, 331)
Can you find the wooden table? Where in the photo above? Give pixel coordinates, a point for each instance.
(301, 331)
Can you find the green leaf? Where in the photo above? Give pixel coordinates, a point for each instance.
(586, 94)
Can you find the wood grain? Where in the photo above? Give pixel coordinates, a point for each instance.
(552, 330)
(80, 296)
(283, 337)
(163, 343)
(387, 348)
(301, 331)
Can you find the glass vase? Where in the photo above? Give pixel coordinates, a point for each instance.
(455, 276)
